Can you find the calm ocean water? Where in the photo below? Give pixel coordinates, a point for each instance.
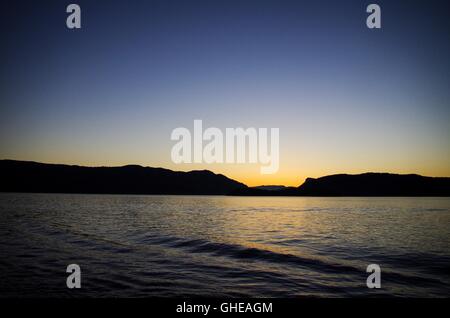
(141, 246)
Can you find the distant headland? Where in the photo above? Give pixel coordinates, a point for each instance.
(366, 184)
(34, 177)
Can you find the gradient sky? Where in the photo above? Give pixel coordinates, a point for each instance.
(346, 99)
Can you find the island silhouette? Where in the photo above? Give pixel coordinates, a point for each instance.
(34, 177)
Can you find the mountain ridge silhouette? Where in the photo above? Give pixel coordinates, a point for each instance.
(30, 176)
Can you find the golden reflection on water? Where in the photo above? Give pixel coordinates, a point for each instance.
(283, 223)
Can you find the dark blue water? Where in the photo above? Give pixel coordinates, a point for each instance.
(143, 246)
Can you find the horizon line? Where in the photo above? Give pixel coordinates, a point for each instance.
(194, 170)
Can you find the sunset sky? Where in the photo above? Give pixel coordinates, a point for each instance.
(347, 99)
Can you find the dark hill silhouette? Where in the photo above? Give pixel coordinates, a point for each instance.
(366, 184)
(376, 184)
(26, 176)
